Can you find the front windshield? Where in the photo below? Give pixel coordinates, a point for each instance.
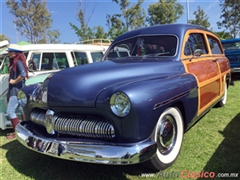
(154, 46)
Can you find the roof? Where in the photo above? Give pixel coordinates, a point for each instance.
(177, 29)
(56, 47)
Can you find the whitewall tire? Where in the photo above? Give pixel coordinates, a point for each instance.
(223, 100)
(168, 135)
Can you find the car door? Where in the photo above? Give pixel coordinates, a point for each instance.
(205, 68)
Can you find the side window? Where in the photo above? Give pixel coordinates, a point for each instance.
(36, 59)
(195, 41)
(49, 61)
(215, 48)
(60, 61)
(81, 58)
(97, 56)
(4, 65)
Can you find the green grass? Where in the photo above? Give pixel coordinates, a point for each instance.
(213, 145)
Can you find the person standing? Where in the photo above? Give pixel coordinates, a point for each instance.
(18, 72)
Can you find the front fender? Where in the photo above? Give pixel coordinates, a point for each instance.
(148, 100)
(28, 90)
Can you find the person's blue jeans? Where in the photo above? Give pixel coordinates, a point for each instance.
(12, 106)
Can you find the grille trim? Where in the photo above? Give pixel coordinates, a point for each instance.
(89, 126)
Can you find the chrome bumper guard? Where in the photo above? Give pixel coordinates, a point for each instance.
(91, 152)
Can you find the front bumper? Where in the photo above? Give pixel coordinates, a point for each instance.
(82, 151)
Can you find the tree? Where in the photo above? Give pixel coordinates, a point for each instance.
(164, 12)
(134, 16)
(99, 33)
(200, 18)
(223, 35)
(84, 32)
(32, 18)
(230, 16)
(52, 38)
(115, 25)
(4, 37)
(130, 18)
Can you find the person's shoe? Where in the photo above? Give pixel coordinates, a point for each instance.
(11, 136)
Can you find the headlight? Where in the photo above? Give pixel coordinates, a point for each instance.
(36, 94)
(120, 104)
(22, 98)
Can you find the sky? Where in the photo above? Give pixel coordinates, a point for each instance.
(65, 11)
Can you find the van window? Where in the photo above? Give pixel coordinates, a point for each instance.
(36, 59)
(97, 56)
(81, 58)
(60, 61)
(4, 61)
(50, 61)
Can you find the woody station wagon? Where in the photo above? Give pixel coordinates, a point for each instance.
(132, 108)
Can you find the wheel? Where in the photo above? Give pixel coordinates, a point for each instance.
(168, 134)
(223, 100)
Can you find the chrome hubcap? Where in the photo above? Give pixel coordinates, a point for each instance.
(166, 134)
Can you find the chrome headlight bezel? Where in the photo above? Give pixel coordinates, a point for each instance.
(22, 98)
(36, 94)
(120, 104)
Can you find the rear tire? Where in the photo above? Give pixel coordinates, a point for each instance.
(223, 100)
(168, 135)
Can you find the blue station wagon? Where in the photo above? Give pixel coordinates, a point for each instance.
(134, 106)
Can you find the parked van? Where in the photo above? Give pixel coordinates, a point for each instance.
(43, 59)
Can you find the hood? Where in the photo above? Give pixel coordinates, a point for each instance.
(80, 86)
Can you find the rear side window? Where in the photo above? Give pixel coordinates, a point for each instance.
(81, 58)
(50, 61)
(60, 61)
(97, 56)
(36, 60)
(4, 61)
(215, 48)
(195, 41)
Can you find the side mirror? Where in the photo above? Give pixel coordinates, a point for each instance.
(197, 52)
(31, 66)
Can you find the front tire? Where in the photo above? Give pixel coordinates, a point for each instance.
(168, 135)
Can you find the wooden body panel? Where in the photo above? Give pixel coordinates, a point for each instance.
(209, 69)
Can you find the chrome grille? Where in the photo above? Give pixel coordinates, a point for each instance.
(91, 126)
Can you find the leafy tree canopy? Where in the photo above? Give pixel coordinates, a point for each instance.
(164, 12)
(31, 18)
(4, 37)
(223, 35)
(230, 18)
(130, 18)
(200, 18)
(84, 32)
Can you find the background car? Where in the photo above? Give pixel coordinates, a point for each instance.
(232, 51)
(44, 59)
(128, 109)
